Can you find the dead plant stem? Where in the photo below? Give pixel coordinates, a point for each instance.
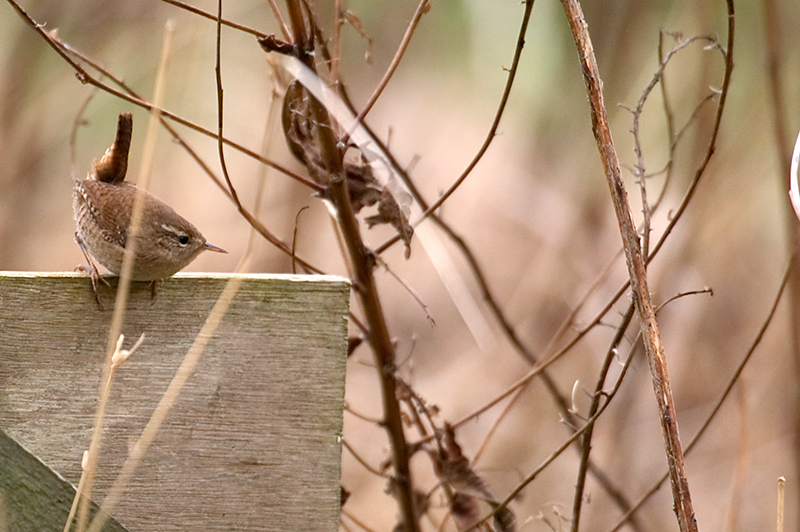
(637, 271)
(336, 45)
(563, 447)
(725, 392)
(382, 347)
(586, 439)
(124, 280)
(363, 264)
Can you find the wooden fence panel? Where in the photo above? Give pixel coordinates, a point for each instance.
(253, 441)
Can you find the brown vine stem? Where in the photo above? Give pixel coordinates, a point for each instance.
(636, 268)
(364, 285)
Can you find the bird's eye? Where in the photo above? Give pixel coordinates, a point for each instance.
(183, 239)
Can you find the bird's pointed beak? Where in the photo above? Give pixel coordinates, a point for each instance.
(212, 247)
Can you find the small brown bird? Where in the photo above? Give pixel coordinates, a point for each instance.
(103, 205)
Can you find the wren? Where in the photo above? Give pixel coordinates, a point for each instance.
(103, 205)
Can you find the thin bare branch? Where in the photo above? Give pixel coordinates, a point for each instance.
(413, 293)
(712, 141)
(220, 110)
(212, 16)
(336, 44)
(637, 271)
(361, 460)
(640, 172)
(563, 447)
(422, 8)
(512, 72)
(586, 440)
(364, 282)
(84, 77)
(723, 395)
(287, 34)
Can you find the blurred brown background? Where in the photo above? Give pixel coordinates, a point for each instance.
(536, 212)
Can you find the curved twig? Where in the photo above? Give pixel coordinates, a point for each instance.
(422, 8)
(512, 72)
(84, 77)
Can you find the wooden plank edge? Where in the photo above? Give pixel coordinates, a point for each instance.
(190, 275)
(34, 497)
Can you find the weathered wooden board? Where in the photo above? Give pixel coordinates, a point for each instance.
(33, 496)
(253, 441)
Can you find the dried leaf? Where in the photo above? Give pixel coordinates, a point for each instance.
(464, 510)
(364, 189)
(300, 131)
(302, 136)
(270, 43)
(454, 470)
(503, 518)
(389, 212)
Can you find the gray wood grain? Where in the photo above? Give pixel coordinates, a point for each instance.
(34, 497)
(253, 441)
